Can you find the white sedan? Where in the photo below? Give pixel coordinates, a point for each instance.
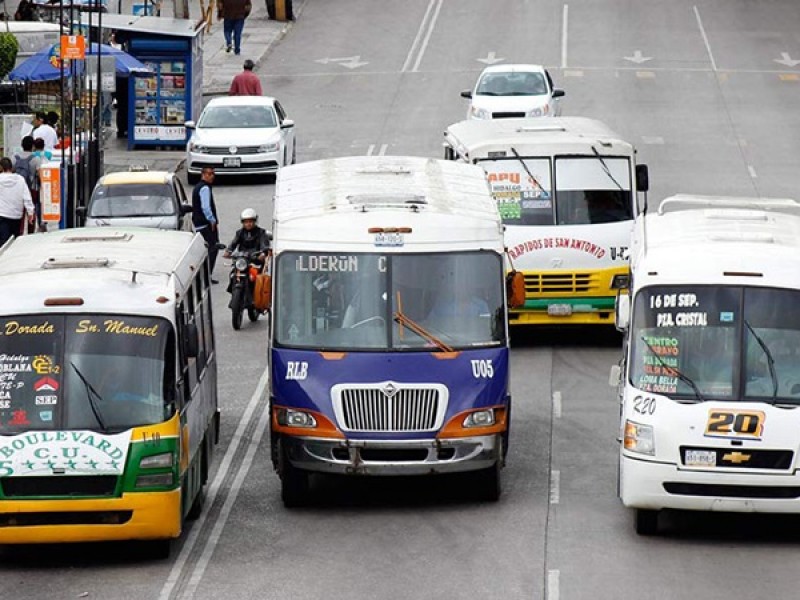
(240, 135)
(513, 91)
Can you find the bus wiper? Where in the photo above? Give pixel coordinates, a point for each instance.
(674, 371)
(400, 317)
(528, 171)
(770, 360)
(606, 169)
(89, 391)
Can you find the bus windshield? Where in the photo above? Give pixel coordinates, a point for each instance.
(400, 302)
(717, 342)
(105, 373)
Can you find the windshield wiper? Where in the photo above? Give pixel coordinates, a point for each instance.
(674, 370)
(770, 360)
(527, 170)
(401, 318)
(606, 169)
(89, 391)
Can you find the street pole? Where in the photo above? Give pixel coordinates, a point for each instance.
(98, 111)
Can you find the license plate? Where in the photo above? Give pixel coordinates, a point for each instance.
(389, 239)
(231, 161)
(701, 458)
(559, 310)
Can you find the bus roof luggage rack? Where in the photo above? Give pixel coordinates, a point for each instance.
(686, 202)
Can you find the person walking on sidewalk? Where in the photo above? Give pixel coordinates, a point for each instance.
(233, 13)
(15, 200)
(204, 215)
(246, 83)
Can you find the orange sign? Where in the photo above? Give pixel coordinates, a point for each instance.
(73, 46)
(50, 193)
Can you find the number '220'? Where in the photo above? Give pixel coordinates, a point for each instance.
(735, 423)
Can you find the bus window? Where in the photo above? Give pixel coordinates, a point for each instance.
(590, 191)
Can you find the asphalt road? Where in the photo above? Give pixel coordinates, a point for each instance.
(708, 91)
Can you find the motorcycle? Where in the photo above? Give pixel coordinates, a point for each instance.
(245, 269)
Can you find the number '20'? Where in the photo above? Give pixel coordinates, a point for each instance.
(735, 423)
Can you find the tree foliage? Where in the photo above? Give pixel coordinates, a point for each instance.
(8, 52)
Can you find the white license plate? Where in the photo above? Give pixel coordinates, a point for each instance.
(389, 239)
(231, 161)
(701, 458)
(559, 310)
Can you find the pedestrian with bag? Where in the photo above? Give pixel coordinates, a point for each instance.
(233, 13)
(204, 215)
(43, 130)
(15, 200)
(26, 164)
(246, 83)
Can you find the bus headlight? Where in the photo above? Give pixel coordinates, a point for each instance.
(639, 438)
(154, 480)
(295, 418)
(479, 418)
(621, 281)
(157, 461)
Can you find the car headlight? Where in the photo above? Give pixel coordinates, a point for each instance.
(479, 418)
(539, 111)
(479, 113)
(157, 461)
(639, 438)
(271, 147)
(240, 264)
(195, 147)
(295, 418)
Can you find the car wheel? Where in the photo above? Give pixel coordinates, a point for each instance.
(646, 521)
(294, 152)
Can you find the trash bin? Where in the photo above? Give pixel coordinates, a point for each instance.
(280, 10)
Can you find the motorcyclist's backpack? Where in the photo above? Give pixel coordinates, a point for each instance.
(22, 167)
(262, 291)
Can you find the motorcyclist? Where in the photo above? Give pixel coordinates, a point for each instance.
(250, 238)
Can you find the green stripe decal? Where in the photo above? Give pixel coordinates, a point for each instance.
(591, 304)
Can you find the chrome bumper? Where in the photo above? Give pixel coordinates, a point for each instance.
(393, 457)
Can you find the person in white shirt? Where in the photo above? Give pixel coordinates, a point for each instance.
(15, 200)
(43, 130)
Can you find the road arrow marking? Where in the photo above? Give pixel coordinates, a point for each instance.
(638, 58)
(787, 60)
(350, 62)
(490, 59)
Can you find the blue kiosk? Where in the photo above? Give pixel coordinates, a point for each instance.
(154, 108)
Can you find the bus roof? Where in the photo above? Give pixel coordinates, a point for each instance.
(337, 199)
(78, 262)
(718, 239)
(475, 138)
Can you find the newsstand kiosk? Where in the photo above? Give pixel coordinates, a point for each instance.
(158, 105)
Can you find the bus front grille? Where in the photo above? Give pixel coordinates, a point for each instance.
(95, 517)
(59, 485)
(389, 408)
(558, 283)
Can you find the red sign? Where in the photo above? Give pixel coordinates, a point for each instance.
(50, 193)
(73, 46)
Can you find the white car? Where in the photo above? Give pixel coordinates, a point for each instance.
(513, 91)
(240, 135)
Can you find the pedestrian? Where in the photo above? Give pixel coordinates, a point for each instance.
(246, 83)
(27, 164)
(42, 129)
(204, 215)
(15, 200)
(25, 11)
(233, 13)
(40, 150)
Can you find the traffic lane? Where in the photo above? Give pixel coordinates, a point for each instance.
(412, 537)
(644, 33)
(751, 35)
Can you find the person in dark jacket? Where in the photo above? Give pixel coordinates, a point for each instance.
(250, 238)
(204, 215)
(233, 13)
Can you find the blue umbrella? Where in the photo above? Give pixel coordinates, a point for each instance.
(45, 65)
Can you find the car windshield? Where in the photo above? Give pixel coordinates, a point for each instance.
(404, 302)
(237, 117)
(512, 84)
(732, 343)
(99, 372)
(132, 200)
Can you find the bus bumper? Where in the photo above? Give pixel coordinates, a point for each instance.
(134, 516)
(542, 317)
(393, 457)
(653, 486)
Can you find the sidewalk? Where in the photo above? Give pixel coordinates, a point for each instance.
(219, 67)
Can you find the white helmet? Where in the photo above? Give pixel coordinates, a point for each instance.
(249, 214)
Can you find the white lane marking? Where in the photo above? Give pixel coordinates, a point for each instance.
(638, 57)
(705, 39)
(236, 486)
(371, 149)
(557, 405)
(787, 60)
(382, 151)
(564, 29)
(555, 487)
(752, 171)
(428, 34)
(214, 488)
(553, 576)
(407, 64)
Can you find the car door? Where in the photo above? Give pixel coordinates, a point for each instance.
(184, 220)
(287, 135)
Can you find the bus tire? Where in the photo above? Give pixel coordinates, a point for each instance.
(197, 505)
(489, 482)
(646, 521)
(159, 549)
(294, 483)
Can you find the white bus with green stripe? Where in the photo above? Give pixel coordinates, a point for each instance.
(108, 385)
(566, 189)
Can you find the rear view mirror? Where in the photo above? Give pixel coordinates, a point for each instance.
(622, 312)
(189, 124)
(287, 124)
(466, 94)
(515, 289)
(642, 178)
(559, 93)
(191, 341)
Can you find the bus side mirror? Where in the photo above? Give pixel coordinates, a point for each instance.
(191, 342)
(515, 289)
(622, 311)
(642, 178)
